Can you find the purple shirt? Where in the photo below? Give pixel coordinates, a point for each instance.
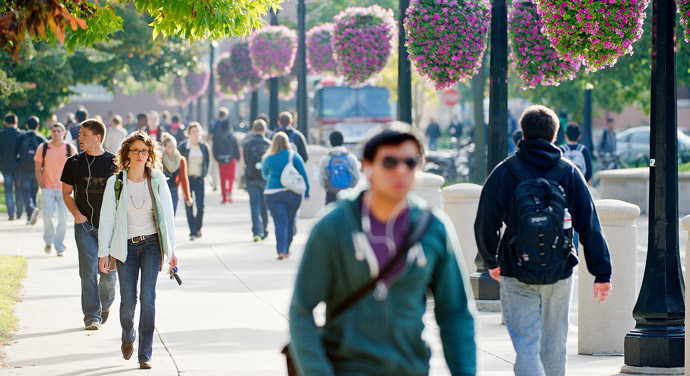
(378, 230)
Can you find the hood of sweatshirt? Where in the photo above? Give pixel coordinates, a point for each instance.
(338, 150)
(539, 153)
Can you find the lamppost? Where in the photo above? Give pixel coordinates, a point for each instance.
(587, 116)
(404, 73)
(273, 90)
(211, 83)
(658, 337)
(302, 111)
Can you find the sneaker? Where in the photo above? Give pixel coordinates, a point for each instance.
(192, 237)
(47, 249)
(28, 222)
(93, 325)
(11, 219)
(60, 254)
(265, 235)
(34, 216)
(145, 365)
(104, 316)
(256, 238)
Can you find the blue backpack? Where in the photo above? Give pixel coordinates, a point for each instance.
(339, 172)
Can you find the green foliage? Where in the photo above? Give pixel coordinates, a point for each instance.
(12, 272)
(685, 167)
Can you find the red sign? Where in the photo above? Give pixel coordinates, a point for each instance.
(450, 96)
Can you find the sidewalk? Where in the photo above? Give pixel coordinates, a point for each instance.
(228, 317)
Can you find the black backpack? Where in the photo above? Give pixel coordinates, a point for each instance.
(253, 155)
(222, 145)
(27, 151)
(539, 244)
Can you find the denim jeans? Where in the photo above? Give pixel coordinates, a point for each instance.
(175, 195)
(283, 207)
(12, 184)
(196, 186)
(537, 320)
(144, 256)
(97, 294)
(29, 192)
(51, 202)
(255, 188)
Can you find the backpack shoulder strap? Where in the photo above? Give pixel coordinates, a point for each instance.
(580, 148)
(69, 149)
(518, 168)
(557, 172)
(43, 153)
(118, 186)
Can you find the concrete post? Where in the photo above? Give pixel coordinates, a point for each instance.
(686, 225)
(317, 194)
(602, 326)
(461, 202)
(428, 187)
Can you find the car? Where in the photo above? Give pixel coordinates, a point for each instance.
(633, 146)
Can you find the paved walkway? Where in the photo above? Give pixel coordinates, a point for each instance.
(228, 318)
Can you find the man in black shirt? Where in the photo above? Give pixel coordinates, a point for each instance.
(296, 137)
(86, 174)
(252, 151)
(25, 151)
(9, 167)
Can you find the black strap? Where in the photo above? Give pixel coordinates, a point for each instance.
(418, 230)
(118, 186)
(44, 151)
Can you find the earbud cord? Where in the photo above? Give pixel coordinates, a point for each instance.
(88, 182)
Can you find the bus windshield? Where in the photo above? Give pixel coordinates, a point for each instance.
(342, 101)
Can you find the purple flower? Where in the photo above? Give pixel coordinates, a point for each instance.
(272, 50)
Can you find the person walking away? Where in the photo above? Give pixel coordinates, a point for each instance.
(115, 135)
(562, 123)
(214, 172)
(137, 232)
(153, 126)
(72, 135)
(85, 175)
(361, 239)
(175, 169)
(130, 123)
(25, 152)
(607, 142)
(49, 162)
(225, 152)
(10, 168)
(339, 169)
(281, 202)
(198, 158)
(252, 151)
(576, 152)
(540, 197)
(295, 137)
(176, 128)
(433, 133)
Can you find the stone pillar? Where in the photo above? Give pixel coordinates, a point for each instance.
(602, 326)
(428, 187)
(317, 194)
(686, 225)
(461, 202)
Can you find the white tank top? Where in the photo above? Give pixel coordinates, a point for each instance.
(140, 219)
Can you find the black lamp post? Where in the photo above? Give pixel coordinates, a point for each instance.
(211, 84)
(254, 106)
(658, 339)
(404, 72)
(302, 111)
(273, 90)
(587, 117)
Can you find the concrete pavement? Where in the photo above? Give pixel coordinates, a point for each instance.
(228, 317)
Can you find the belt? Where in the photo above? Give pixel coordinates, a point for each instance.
(138, 239)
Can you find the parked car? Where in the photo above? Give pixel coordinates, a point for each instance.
(633, 146)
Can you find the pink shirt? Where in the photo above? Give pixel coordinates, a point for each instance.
(54, 163)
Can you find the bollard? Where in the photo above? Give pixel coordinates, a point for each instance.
(428, 187)
(461, 202)
(317, 193)
(602, 326)
(686, 225)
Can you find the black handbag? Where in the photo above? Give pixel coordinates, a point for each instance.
(418, 230)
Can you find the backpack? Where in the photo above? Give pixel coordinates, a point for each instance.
(291, 179)
(338, 173)
(577, 156)
(222, 145)
(45, 151)
(539, 245)
(254, 152)
(27, 152)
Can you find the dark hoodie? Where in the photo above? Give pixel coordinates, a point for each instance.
(539, 156)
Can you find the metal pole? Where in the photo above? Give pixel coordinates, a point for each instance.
(211, 84)
(658, 339)
(254, 106)
(273, 90)
(198, 111)
(404, 72)
(587, 123)
(302, 111)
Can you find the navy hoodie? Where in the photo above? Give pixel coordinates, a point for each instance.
(539, 157)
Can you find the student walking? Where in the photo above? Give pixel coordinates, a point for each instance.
(295, 137)
(540, 197)
(49, 162)
(137, 232)
(252, 150)
(282, 202)
(576, 152)
(85, 174)
(10, 168)
(116, 134)
(385, 243)
(339, 169)
(175, 169)
(197, 155)
(225, 152)
(25, 152)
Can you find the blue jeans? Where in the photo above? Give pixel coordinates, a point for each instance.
(51, 202)
(11, 184)
(174, 193)
(537, 320)
(144, 256)
(29, 192)
(255, 188)
(196, 186)
(283, 207)
(97, 294)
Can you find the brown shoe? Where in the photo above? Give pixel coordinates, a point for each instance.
(145, 365)
(127, 350)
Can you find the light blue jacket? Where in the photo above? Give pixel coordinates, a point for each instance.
(112, 233)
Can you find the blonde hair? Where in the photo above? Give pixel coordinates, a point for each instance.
(154, 158)
(280, 143)
(167, 137)
(193, 125)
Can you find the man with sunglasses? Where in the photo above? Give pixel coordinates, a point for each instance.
(356, 239)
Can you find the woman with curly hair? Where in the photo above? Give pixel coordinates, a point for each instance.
(137, 231)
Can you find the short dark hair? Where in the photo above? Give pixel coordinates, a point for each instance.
(263, 117)
(141, 116)
(81, 115)
(517, 136)
(336, 138)
(32, 123)
(572, 131)
(95, 126)
(393, 133)
(609, 120)
(11, 118)
(285, 118)
(259, 125)
(176, 118)
(539, 122)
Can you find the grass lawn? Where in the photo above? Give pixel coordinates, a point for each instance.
(685, 167)
(3, 205)
(12, 272)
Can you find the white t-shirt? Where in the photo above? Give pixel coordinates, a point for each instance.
(140, 220)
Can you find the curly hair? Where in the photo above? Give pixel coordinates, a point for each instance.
(154, 158)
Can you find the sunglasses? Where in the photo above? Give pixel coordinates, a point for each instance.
(390, 163)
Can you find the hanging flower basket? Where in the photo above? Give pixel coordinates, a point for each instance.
(598, 33)
(684, 11)
(363, 42)
(446, 40)
(272, 50)
(320, 58)
(196, 83)
(228, 85)
(534, 60)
